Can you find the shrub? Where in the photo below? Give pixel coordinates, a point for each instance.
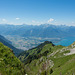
(51, 71)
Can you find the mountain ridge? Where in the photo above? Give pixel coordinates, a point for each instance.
(8, 43)
(48, 60)
(44, 30)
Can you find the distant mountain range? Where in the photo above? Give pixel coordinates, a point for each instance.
(8, 43)
(44, 30)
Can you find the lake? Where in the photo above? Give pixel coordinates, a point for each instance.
(66, 41)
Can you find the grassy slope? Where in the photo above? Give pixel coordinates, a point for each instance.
(64, 65)
(48, 60)
(9, 64)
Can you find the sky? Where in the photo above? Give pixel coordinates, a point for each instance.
(37, 12)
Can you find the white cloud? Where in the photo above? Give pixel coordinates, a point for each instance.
(17, 18)
(4, 20)
(11, 23)
(50, 20)
(36, 22)
(72, 22)
(33, 21)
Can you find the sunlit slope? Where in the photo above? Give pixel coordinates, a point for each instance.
(9, 63)
(48, 59)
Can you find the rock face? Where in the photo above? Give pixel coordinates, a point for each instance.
(71, 48)
(72, 51)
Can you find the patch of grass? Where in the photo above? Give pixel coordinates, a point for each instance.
(63, 65)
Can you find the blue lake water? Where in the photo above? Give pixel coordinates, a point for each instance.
(66, 41)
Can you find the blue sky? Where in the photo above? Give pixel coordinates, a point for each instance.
(37, 12)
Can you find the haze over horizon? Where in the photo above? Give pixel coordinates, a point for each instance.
(37, 12)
